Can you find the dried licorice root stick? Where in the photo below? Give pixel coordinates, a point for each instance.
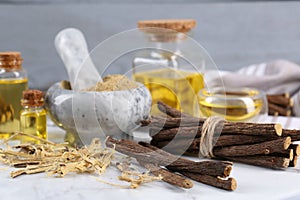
(172, 112)
(294, 134)
(226, 184)
(237, 128)
(296, 149)
(262, 130)
(273, 162)
(168, 122)
(168, 176)
(289, 153)
(280, 110)
(274, 146)
(273, 112)
(166, 154)
(283, 100)
(279, 146)
(172, 162)
(182, 134)
(223, 140)
(293, 162)
(170, 133)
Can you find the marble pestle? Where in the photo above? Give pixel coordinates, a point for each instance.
(72, 49)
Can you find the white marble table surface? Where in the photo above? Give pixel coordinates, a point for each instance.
(253, 183)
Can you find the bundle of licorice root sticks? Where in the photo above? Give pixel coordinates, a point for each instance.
(176, 170)
(280, 104)
(266, 145)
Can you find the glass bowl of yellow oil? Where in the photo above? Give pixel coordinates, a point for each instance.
(234, 104)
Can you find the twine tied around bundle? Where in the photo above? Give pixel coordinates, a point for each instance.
(210, 131)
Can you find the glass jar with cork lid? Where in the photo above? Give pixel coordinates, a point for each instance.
(165, 67)
(33, 119)
(13, 81)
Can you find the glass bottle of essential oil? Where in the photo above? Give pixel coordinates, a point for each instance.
(33, 116)
(165, 66)
(13, 81)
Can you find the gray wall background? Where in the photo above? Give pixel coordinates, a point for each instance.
(235, 33)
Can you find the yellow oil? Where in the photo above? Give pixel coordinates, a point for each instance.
(33, 122)
(176, 88)
(239, 109)
(10, 107)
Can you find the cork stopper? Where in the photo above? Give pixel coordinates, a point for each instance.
(178, 25)
(32, 98)
(10, 60)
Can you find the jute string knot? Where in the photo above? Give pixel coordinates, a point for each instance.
(209, 135)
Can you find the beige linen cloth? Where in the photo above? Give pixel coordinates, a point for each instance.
(275, 77)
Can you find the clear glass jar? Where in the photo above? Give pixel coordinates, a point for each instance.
(165, 69)
(13, 81)
(33, 119)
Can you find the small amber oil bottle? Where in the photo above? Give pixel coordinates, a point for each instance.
(33, 116)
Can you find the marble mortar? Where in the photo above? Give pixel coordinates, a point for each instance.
(98, 114)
